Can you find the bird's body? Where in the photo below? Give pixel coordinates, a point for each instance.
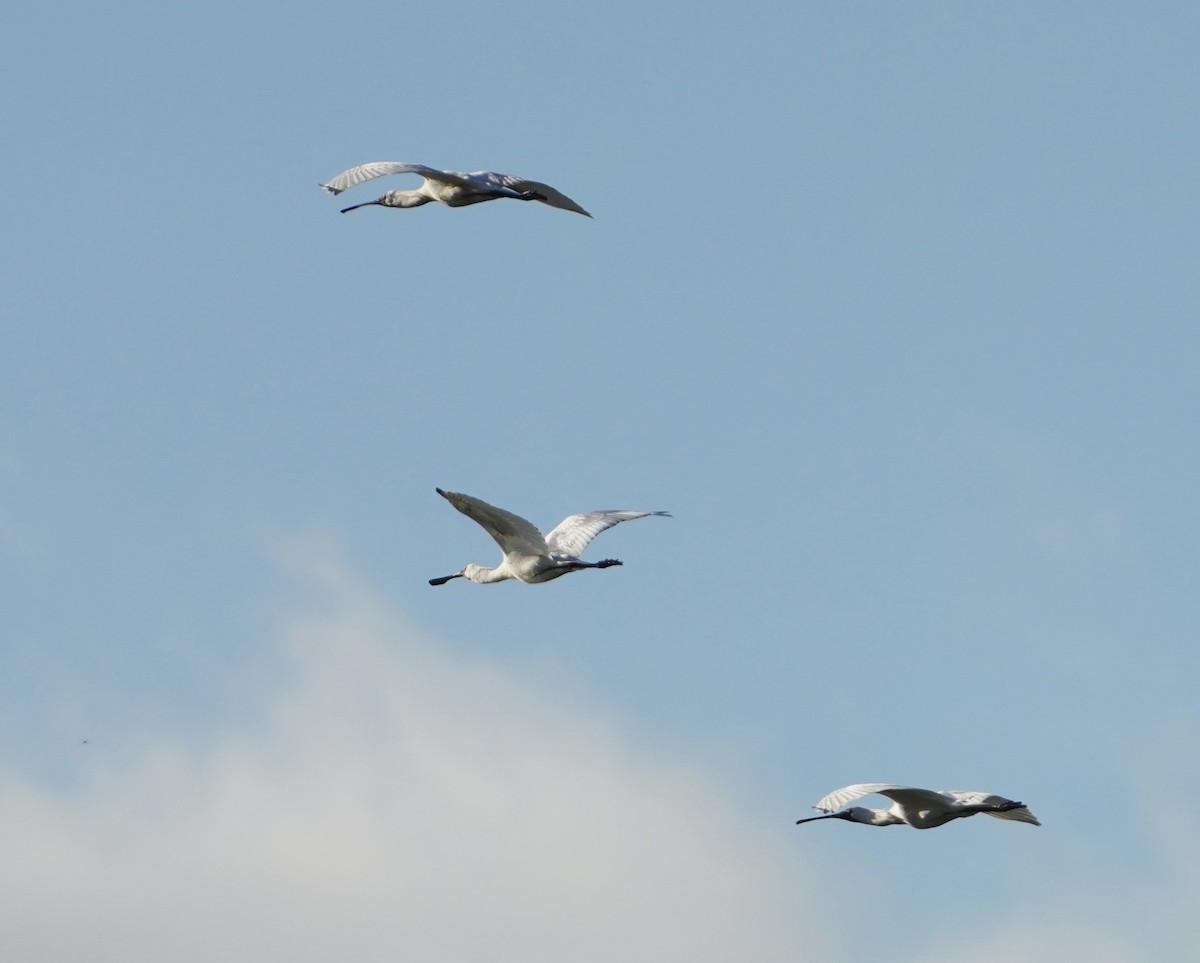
(919, 808)
(452, 188)
(528, 555)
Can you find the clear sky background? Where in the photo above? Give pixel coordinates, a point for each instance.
(892, 306)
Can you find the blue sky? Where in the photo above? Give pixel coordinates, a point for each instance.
(892, 308)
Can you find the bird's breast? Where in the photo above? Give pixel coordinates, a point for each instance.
(533, 568)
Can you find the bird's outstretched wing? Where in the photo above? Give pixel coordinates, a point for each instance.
(511, 532)
(548, 194)
(572, 535)
(902, 794)
(365, 172)
(970, 797)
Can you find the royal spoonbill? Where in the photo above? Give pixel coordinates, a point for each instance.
(452, 188)
(527, 554)
(919, 808)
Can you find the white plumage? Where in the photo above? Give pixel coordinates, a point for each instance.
(919, 808)
(452, 188)
(528, 555)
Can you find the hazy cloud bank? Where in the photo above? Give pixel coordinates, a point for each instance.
(396, 802)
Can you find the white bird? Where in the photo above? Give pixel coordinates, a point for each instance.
(919, 808)
(527, 554)
(452, 188)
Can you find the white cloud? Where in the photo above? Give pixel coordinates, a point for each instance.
(394, 802)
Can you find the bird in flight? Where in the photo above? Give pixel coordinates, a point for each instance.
(528, 555)
(452, 188)
(919, 808)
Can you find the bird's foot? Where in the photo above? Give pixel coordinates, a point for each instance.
(609, 562)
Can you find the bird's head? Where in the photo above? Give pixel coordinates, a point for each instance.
(855, 814)
(476, 573)
(480, 574)
(843, 814)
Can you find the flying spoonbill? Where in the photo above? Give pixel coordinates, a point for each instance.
(919, 808)
(527, 554)
(452, 188)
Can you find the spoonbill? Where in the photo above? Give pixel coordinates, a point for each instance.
(527, 554)
(452, 188)
(919, 808)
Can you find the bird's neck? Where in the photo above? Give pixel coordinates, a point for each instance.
(880, 817)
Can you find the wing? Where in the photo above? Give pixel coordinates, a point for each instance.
(572, 535)
(549, 194)
(905, 795)
(511, 532)
(365, 172)
(970, 797)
